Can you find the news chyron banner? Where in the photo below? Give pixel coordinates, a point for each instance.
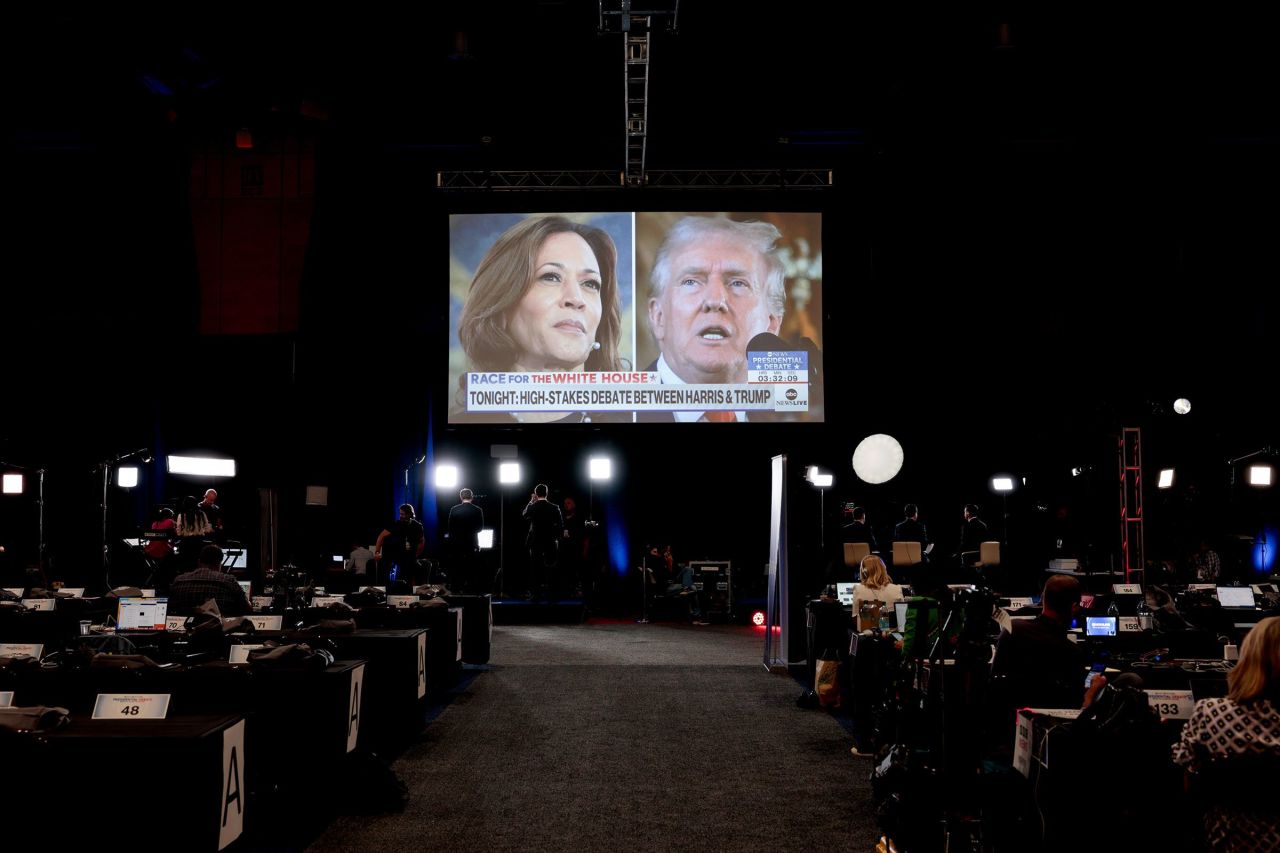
(632, 392)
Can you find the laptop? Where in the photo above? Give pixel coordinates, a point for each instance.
(141, 614)
(1236, 598)
(1100, 626)
(844, 591)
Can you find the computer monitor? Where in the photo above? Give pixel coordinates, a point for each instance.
(1100, 626)
(844, 591)
(1236, 597)
(141, 614)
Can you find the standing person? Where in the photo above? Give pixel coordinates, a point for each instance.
(192, 528)
(972, 534)
(213, 512)
(466, 520)
(716, 283)
(160, 550)
(1243, 726)
(546, 526)
(1205, 563)
(407, 542)
(858, 530)
(910, 529)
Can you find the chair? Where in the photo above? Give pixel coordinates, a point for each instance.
(906, 554)
(855, 553)
(988, 555)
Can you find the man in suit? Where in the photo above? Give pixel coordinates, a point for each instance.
(910, 529)
(716, 284)
(858, 530)
(546, 526)
(972, 535)
(465, 523)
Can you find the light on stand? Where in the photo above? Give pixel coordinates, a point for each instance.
(821, 482)
(13, 484)
(127, 476)
(1166, 479)
(600, 468)
(1003, 484)
(1260, 475)
(484, 539)
(447, 476)
(508, 474)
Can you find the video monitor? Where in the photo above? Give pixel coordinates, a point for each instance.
(623, 317)
(844, 591)
(141, 614)
(1236, 596)
(1100, 626)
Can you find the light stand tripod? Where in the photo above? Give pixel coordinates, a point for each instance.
(105, 467)
(646, 574)
(39, 472)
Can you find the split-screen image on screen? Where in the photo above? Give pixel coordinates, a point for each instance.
(624, 317)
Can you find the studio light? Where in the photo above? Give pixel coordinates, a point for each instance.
(757, 618)
(447, 476)
(202, 466)
(1002, 484)
(13, 484)
(127, 476)
(509, 472)
(485, 538)
(600, 468)
(1260, 475)
(822, 481)
(877, 458)
(1182, 405)
(1166, 479)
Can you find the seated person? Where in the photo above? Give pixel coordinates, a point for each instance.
(876, 586)
(1243, 726)
(208, 581)
(1035, 662)
(358, 560)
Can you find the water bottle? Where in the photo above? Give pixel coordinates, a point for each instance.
(1144, 614)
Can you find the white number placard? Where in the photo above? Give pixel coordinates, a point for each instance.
(73, 591)
(401, 600)
(378, 588)
(261, 602)
(131, 706)
(175, 623)
(1129, 625)
(18, 650)
(6, 696)
(240, 654)
(15, 590)
(267, 623)
(1019, 603)
(39, 603)
(1172, 704)
(1126, 589)
(325, 600)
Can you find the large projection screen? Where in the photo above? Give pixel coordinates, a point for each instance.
(623, 317)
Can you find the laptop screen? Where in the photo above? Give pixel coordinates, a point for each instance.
(1100, 626)
(844, 591)
(1235, 596)
(900, 614)
(141, 614)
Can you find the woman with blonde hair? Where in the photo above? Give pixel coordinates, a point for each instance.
(876, 585)
(1242, 727)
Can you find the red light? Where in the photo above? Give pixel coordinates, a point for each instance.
(757, 618)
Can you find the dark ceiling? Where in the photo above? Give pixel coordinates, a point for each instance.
(529, 84)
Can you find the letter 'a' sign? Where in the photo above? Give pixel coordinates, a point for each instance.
(232, 798)
(353, 716)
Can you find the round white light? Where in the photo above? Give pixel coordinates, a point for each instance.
(877, 458)
(1182, 405)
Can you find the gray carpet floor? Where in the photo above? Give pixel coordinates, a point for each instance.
(625, 736)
